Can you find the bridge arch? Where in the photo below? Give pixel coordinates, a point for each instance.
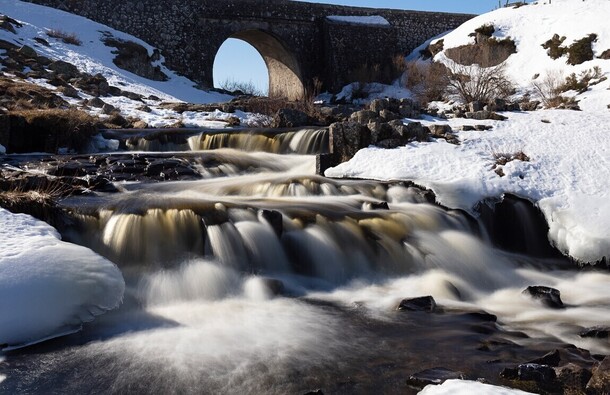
(285, 74)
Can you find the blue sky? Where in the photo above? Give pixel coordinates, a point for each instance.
(238, 61)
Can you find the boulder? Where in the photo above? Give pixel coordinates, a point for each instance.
(573, 378)
(27, 52)
(69, 91)
(388, 115)
(390, 143)
(346, 138)
(96, 102)
(108, 109)
(550, 297)
(598, 332)
(600, 380)
(275, 219)
(381, 131)
(378, 105)
(67, 70)
(288, 117)
(551, 359)
(422, 303)
(363, 117)
(440, 130)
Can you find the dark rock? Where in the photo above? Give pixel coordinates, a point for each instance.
(275, 219)
(467, 128)
(274, 285)
(535, 372)
(108, 109)
(433, 376)
(69, 91)
(573, 378)
(600, 380)
(475, 106)
(346, 138)
(390, 143)
(599, 332)
(550, 297)
(381, 131)
(379, 206)
(96, 102)
(529, 105)
(287, 118)
(314, 392)
(551, 359)
(144, 109)
(482, 128)
(323, 162)
(363, 116)
(497, 105)
(68, 70)
(497, 117)
(27, 52)
(423, 303)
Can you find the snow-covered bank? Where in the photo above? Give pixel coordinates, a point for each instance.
(93, 56)
(48, 288)
(568, 175)
(464, 387)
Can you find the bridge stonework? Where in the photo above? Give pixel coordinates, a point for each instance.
(297, 40)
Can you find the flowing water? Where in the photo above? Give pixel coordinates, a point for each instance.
(266, 278)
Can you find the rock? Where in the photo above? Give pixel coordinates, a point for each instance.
(467, 128)
(363, 116)
(275, 286)
(390, 143)
(475, 106)
(346, 138)
(497, 105)
(482, 128)
(323, 162)
(144, 109)
(600, 380)
(139, 125)
(598, 332)
(65, 69)
(550, 297)
(478, 115)
(108, 109)
(314, 392)
(96, 102)
(423, 303)
(377, 205)
(497, 117)
(440, 130)
(378, 105)
(380, 131)
(288, 117)
(69, 91)
(529, 105)
(573, 378)
(551, 359)
(536, 372)
(27, 52)
(415, 131)
(433, 376)
(388, 115)
(275, 219)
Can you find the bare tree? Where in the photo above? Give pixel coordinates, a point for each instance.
(475, 83)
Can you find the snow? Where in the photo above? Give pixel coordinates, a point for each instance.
(532, 25)
(93, 56)
(568, 176)
(48, 288)
(465, 387)
(363, 20)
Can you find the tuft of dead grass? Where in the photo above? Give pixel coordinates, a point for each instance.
(68, 38)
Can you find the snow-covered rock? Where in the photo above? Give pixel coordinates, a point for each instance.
(48, 288)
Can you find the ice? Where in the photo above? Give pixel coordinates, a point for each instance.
(464, 387)
(48, 288)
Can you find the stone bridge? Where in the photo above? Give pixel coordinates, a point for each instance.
(301, 43)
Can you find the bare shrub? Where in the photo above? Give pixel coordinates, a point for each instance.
(241, 88)
(68, 38)
(549, 88)
(554, 48)
(581, 51)
(475, 83)
(427, 80)
(584, 80)
(502, 158)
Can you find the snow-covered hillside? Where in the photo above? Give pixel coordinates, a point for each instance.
(568, 172)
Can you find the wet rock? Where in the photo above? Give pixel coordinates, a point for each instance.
(433, 376)
(275, 219)
(423, 303)
(598, 332)
(551, 359)
(550, 297)
(600, 380)
(275, 286)
(573, 378)
(542, 377)
(287, 118)
(379, 206)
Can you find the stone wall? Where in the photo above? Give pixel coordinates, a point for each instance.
(298, 42)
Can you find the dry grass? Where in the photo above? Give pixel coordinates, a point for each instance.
(68, 38)
(483, 84)
(18, 95)
(428, 81)
(501, 158)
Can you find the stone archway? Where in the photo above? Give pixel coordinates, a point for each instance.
(285, 77)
